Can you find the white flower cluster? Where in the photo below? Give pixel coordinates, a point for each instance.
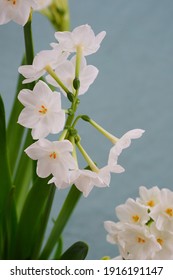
(19, 10)
(145, 227)
(68, 71)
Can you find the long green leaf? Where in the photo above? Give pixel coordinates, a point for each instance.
(61, 221)
(78, 251)
(31, 219)
(5, 177)
(15, 131)
(10, 225)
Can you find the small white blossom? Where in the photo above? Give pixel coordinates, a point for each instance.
(42, 110)
(162, 213)
(132, 212)
(149, 197)
(15, 10)
(66, 73)
(52, 158)
(165, 239)
(140, 244)
(82, 36)
(45, 58)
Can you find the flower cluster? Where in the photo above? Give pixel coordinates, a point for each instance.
(65, 67)
(19, 10)
(145, 227)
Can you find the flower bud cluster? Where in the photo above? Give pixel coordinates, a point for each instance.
(145, 227)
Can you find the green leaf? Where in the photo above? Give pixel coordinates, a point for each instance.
(31, 219)
(15, 131)
(58, 250)
(78, 251)
(10, 225)
(5, 177)
(61, 221)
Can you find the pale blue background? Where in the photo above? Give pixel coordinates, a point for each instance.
(134, 89)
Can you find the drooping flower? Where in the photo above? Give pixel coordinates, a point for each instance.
(15, 10)
(85, 180)
(45, 58)
(121, 144)
(42, 112)
(52, 158)
(66, 72)
(81, 37)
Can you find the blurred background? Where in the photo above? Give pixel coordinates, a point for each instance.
(134, 89)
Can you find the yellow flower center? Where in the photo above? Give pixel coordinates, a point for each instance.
(135, 218)
(151, 203)
(140, 240)
(53, 155)
(160, 241)
(43, 110)
(169, 211)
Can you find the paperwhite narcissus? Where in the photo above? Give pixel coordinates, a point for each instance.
(19, 10)
(132, 212)
(81, 37)
(44, 58)
(139, 237)
(15, 10)
(66, 72)
(162, 213)
(42, 112)
(121, 144)
(52, 158)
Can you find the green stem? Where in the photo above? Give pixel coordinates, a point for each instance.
(108, 135)
(62, 219)
(78, 61)
(87, 158)
(56, 78)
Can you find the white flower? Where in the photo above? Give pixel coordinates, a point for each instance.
(66, 73)
(149, 197)
(85, 180)
(15, 10)
(41, 4)
(82, 36)
(162, 213)
(53, 158)
(42, 110)
(121, 144)
(132, 212)
(140, 244)
(165, 239)
(45, 58)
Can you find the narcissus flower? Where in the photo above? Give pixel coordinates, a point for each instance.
(81, 37)
(42, 110)
(66, 72)
(132, 212)
(162, 213)
(52, 158)
(121, 144)
(45, 58)
(15, 10)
